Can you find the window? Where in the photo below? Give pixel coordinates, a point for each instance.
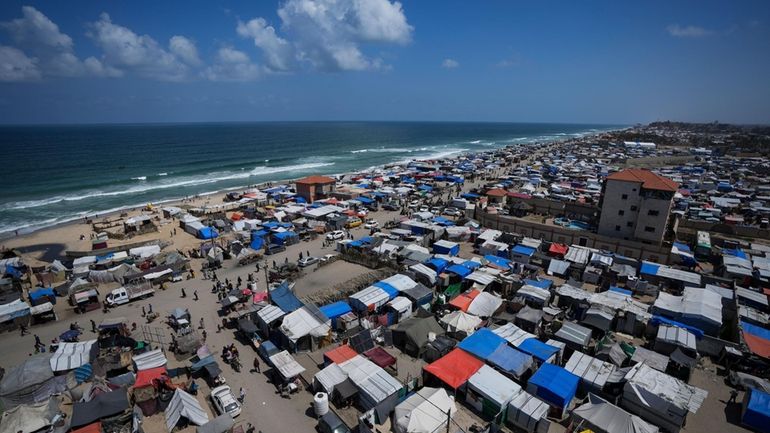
(624, 197)
(634, 190)
(633, 208)
(653, 213)
(649, 229)
(617, 228)
(630, 224)
(621, 212)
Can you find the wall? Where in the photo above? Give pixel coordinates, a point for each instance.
(657, 222)
(553, 233)
(742, 231)
(611, 223)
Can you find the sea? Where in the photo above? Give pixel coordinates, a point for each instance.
(55, 174)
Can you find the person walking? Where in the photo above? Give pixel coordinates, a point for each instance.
(149, 308)
(257, 367)
(733, 397)
(184, 294)
(203, 334)
(201, 323)
(23, 329)
(241, 395)
(93, 326)
(144, 313)
(195, 295)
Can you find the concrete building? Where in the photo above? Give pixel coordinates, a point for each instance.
(636, 205)
(314, 188)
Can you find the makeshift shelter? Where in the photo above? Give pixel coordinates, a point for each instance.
(446, 247)
(104, 405)
(268, 317)
(335, 310)
(329, 377)
(592, 372)
(513, 334)
(221, 424)
(184, 405)
(757, 339)
(460, 323)
(380, 357)
(376, 388)
(148, 360)
(413, 334)
(489, 392)
(283, 297)
(400, 308)
(426, 411)
(756, 410)
(32, 381)
(543, 352)
(29, 418)
(286, 365)
(419, 295)
(555, 385)
(528, 413)
(304, 328)
(370, 298)
(69, 356)
(510, 361)
(482, 343)
(455, 368)
(576, 336)
(485, 305)
(696, 307)
(601, 416)
(463, 300)
(659, 398)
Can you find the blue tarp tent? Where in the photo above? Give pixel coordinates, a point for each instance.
(282, 297)
(757, 412)
(554, 385)
(446, 247)
(482, 343)
(336, 309)
(510, 360)
(498, 261)
(735, 253)
(523, 250)
(365, 200)
(438, 264)
(470, 196)
(658, 320)
(299, 199)
(12, 271)
(459, 270)
(390, 290)
(270, 225)
(442, 221)
(257, 243)
(543, 283)
(47, 293)
(619, 290)
(208, 233)
(538, 349)
(259, 233)
(649, 268)
(425, 188)
(283, 237)
(471, 264)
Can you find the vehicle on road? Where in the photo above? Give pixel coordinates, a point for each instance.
(391, 206)
(371, 224)
(335, 235)
(307, 261)
(452, 211)
(414, 204)
(126, 294)
(424, 209)
(327, 257)
(362, 213)
(331, 423)
(275, 249)
(354, 222)
(225, 402)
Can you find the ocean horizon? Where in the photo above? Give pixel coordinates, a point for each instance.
(60, 173)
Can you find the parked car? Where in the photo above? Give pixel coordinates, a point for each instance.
(371, 224)
(414, 204)
(354, 222)
(391, 206)
(424, 209)
(331, 423)
(451, 211)
(307, 261)
(327, 257)
(275, 249)
(362, 213)
(225, 402)
(335, 235)
(435, 210)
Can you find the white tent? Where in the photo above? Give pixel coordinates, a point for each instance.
(403, 305)
(302, 322)
(286, 364)
(424, 412)
(493, 386)
(513, 334)
(400, 282)
(329, 377)
(183, 404)
(593, 372)
(459, 321)
(148, 360)
(529, 413)
(69, 356)
(429, 273)
(370, 296)
(374, 383)
(602, 416)
(485, 304)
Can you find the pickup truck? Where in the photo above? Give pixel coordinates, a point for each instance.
(124, 295)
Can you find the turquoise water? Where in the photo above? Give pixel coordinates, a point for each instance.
(53, 174)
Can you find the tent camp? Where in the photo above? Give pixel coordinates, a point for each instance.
(455, 368)
(601, 416)
(413, 334)
(489, 391)
(424, 412)
(555, 385)
(69, 356)
(30, 382)
(29, 417)
(184, 405)
(104, 405)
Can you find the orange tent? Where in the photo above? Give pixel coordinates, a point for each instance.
(463, 300)
(90, 428)
(340, 354)
(145, 377)
(455, 368)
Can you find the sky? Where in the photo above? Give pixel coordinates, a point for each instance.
(608, 62)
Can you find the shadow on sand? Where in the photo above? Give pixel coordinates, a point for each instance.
(50, 252)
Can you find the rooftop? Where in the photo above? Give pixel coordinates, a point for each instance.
(648, 179)
(316, 179)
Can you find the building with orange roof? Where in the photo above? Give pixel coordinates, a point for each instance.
(314, 187)
(636, 204)
(496, 195)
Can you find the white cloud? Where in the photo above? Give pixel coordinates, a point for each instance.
(687, 31)
(278, 52)
(16, 66)
(184, 49)
(328, 34)
(99, 69)
(232, 65)
(450, 64)
(124, 49)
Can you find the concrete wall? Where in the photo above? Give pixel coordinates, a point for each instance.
(742, 231)
(656, 222)
(611, 222)
(553, 233)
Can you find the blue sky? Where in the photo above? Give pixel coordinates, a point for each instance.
(546, 61)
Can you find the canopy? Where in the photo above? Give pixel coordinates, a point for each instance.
(459, 321)
(554, 384)
(370, 298)
(757, 411)
(181, 405)
(221, 424)
(29, 417)
(381, 357)
(423, 412)
(460, 270)
(147, 360)
(602, 416)
(455, 368)
(591, 371)
(284, 298)
(513, 334)
(538, 349)
(103, 405)
(463, 300)
(69, 356)
(756, 338)
(481, 343)
(498, 262)
(493, 386)
(374, 384)
(286, 364)
(510, 360)
(340, 354)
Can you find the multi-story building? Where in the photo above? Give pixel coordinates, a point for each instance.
(635, 205)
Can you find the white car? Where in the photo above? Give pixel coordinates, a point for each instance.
(335, 235)
(452, 211)
(362, 213)
(225, 402)
(307, 261)
(424, 209)
(435, 210)
(371, 224)
(327, 257)
(414, 204)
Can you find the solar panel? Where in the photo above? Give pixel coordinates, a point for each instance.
(362, 341)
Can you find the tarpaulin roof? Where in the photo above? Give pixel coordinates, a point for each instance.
(24, 383)
(602, 416)
(145, 377)
(510, 360)
(757, 412)
(308, 320)
(541, 283)
(423, 412)
(374, 384)
(460, 321)
(417, 329)
(29, 417)
(12, 310)
(42, 292)
(660, 392)
(463, 300)
(340, 354)
(390, 290)
(370, 298)
(482, 343)
(183, 404)
(523, 250)
(455, 368)
(69, 356)
(459, 270)
(592, 371)
(526, 410)
(284, 298)
(379, 356)
(286, 364)
(336, 309)
(485, 304)
(557, 248)
(571, 332)
(493, 385)
(554, 384)
(426, 271)
(103, 405)
(756, 338)
(220, 424)
(330, 376)
(513, 334)
(152, 359)
(538, 349)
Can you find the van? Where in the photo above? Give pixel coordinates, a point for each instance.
(353, 222)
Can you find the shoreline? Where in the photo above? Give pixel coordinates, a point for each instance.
(8, 238)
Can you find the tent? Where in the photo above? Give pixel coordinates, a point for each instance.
(510, 360)
(303, 322)
(601, 416)
(335, 310)
(419, 294)
(329, 377)
(104, 405)
(463, 300)
(221, 424)
(29, 417)
(482, 343)
(459, 321)
(413, 334)
(69, 356)
(756, 410)
(539, 350)
(340, 354)
(491, 391)
(181, 405)
(286, 365)
(593, 373)
(534, 294)
(283, 297)
(29, 382)
(460, 270)
(555, 385)
(370, 299)
(455, 368)
(756, 338)
(13, 310)
(148, 360)
(513, 334)
(381, 357)
(498, 262)
(528, 413)
(574, 335)
(426, 411)
(374, 384)
(485, 304)
(446, 247)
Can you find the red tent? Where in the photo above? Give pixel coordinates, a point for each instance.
(455, 368)
(380, 356)
(558, 249)
(95, 427)
(463, 300)
(340, 354)
(145, 377)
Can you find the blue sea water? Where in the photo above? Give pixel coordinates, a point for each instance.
(53, 174)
